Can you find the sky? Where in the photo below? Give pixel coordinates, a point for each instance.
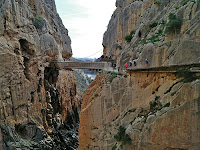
(86, 21)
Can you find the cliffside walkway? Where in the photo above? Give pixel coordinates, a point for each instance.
(93, 66)
(171, 68)
(107, 66)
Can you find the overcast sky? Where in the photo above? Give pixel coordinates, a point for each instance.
(86, 21)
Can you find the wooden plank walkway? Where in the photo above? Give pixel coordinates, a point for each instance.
(83, 65)
(108, 67)
(171, 68)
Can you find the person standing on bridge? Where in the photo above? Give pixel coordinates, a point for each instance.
(146, 63)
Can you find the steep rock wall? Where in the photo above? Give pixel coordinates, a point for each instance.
(147, 110)
(157, 110)
(38, 103)
(149, 40)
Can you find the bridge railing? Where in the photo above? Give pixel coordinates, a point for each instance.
(81, 65)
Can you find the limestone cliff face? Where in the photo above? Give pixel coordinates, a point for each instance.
(146, 110)
(157, 110)
(38, 103)
(148, 20)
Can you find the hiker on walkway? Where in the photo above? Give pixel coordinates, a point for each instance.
(146, 62)
(134, 62)
(130, 64)
(126, 65)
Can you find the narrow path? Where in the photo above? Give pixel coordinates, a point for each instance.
(171, 68)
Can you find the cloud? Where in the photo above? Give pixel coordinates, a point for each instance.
(86, 21)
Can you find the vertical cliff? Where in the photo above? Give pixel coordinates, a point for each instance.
(164, 32)
(156, 110)
(143, 111)
(38, 103)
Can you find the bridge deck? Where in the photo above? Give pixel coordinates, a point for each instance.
(83, 65)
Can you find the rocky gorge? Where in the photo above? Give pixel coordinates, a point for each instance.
(41, 108)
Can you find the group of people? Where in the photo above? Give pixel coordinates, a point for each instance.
(131, 63)
(106, 57)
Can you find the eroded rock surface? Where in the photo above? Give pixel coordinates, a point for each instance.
(147, 20)
(146, 110)
(38, 103)
(157, 110)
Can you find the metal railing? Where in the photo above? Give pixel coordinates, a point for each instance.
(81, 65)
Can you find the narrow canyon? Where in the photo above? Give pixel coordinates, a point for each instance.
(152, 103)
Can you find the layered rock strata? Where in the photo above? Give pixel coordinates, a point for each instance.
(145, 22)
(157, 111)
(147, 110)
(38, 103)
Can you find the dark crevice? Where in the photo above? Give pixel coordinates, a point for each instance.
(21, 130)
(27, 54)
(16, 51)
(50, 80)
(39, 85)
(4, 23)
(65, 135)
(32, 97)
(139, 34)
(39, 72)
(51, 76)
(26, 67)
(13, 110)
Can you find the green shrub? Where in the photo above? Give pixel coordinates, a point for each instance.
(178, 7)
(38, 22)
(159, 33)
(155, 105)
(132, 32)
(114, 147)
(184, 2)
(96, 95)
(153, 25)
(174, 24)
(121, 136)
(167, 105)
(153, 39)
(129, 37)
(157, 2)
(162, 22)
(125, 76)
(156, 98)
(114, 73)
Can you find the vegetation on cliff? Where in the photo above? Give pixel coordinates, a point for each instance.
(174, 24)
(38, 22)
(122, 137)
